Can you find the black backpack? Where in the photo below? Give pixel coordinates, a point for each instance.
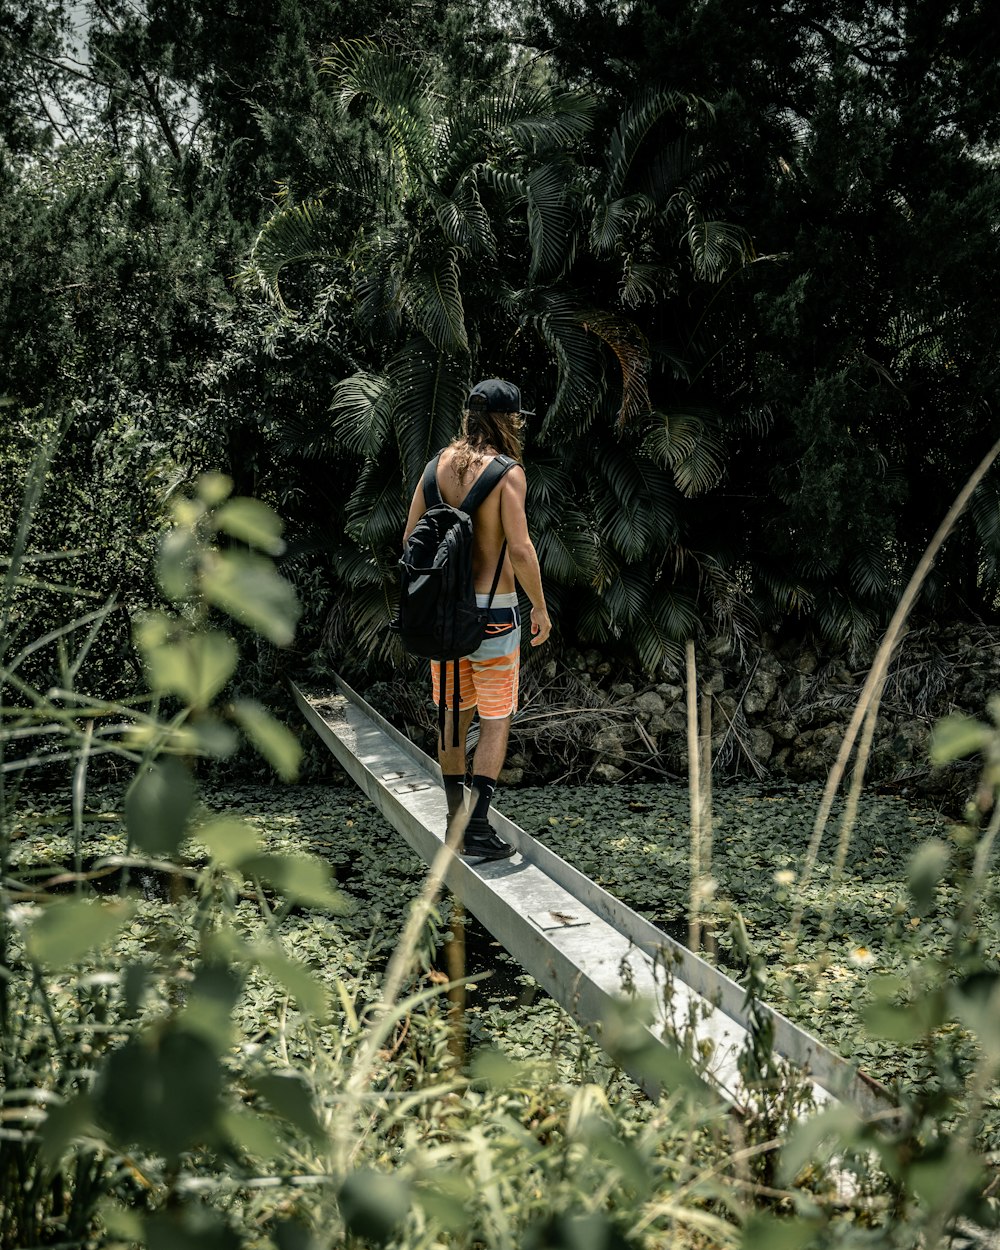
(439, 618)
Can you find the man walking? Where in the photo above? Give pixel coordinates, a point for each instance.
(488, 679)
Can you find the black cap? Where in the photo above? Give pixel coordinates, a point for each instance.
(495, 395)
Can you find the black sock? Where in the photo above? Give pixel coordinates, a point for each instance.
(454, 792)
(484, 788)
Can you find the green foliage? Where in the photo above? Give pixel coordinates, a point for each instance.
(162, 1089)
(500, 214)
(847, 369)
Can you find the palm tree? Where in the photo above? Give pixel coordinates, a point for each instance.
(493, 238)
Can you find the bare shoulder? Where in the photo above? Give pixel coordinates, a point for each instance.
(514, 481)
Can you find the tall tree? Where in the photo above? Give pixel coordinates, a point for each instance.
(861, 143)
(499, 234)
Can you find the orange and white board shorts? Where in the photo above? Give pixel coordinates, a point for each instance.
(488, 678)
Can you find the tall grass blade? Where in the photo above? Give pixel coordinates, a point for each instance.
(871, 693)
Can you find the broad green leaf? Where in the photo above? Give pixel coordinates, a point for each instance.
(766, 1232)
(296, 979)
(194, 667)
(252, 522)
(68, 928)
(134, 982)
(976, 1003)
(290, 1097)
(817, 1138)
(496, 1068)
(186, 512)
(157, 806)
(161, 1092)
(303, 879)
(248, 588)
(926, 869)
(273, 740)
(448, 1199)
(213, 488)
(203, 735)
(175, 564)
(955, 737)
(208, 735)
(292, 1234)
(194, 1226)
(208, 1011)
(229, 841)
(63, 1123)
(373, 1205)
(252, 1133)
(904, 1023)
(120, 1222)
(941, 1182)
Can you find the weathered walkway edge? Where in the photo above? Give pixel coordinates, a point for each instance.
(579, 942)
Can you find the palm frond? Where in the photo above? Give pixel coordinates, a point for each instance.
(464, 221)
(636, 123)
(540, 120)
(375, 512)
(428, 389)
(567, 547)
(984, 509)
(689, 444)
(608, 565)
(631, 350)
(357, 568)
(666, 169)
(771, 588)
(593, 622)
(627, 597)
(369, 610)
(637, 513)
(646, 282)
(715, 246)
(434, 301)
(659, 632)
(869, 573)
(379, 284)
(510, 187)
(557, 320)
(291, 235)
(843, 621)
(361, 408)
(550, 220)
(612, 219)
(549, 483)
(399, 91)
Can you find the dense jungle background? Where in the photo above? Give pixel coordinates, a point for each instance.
(743, 262)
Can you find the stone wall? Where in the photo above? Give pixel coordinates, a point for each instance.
(778, 711)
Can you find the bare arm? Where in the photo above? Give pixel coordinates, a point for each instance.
(417, 510)
(523, 557)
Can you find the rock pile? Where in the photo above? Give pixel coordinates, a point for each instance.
(779, 711)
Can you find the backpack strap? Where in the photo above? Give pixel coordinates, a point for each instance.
(432, 492)
(484, 484)
(481, 487)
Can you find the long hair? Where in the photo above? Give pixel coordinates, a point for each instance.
(483, 432)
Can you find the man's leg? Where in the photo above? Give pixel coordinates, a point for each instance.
(491, 750)
(452, 759)
(495, 668)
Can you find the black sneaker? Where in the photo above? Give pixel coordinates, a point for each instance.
(482, 843)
